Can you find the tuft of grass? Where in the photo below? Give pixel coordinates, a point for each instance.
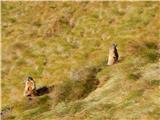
(76, 107)
(147, 50)
(61, 109)
(154, 82)
(31, 113)
(155, 113)
(151, 56)
(134, 76)
(135, 94)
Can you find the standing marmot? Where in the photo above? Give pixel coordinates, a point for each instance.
(30, 87)
(113, 55)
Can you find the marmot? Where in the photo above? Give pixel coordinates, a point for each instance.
(30, 87)
(113, 55)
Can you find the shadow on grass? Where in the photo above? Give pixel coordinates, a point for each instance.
(44, 90)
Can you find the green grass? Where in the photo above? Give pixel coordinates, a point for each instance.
(154, 82)
(66, 44)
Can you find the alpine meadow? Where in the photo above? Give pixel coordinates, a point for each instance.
(80, 60)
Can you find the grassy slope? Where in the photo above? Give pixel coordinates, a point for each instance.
(64, 43)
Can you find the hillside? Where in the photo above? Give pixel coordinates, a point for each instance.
(65, 45)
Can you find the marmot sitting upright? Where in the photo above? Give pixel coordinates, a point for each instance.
(30, 87)
(113, 55)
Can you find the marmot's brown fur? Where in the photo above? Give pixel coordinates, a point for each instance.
(30, 87)
(113, 55)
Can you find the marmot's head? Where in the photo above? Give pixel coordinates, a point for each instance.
(30, 78)
(114, 45)
(113, 48)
